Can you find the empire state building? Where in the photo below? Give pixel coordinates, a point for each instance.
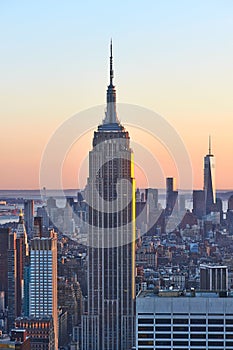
(108, 323)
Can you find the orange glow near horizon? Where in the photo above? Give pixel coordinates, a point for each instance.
(55, 63)
(151, 159)
(20, 162)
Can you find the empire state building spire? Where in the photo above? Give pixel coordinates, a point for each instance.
(111, 114)
(111, 65)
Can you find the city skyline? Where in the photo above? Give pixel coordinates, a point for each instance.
(177, 62)
(107, 252)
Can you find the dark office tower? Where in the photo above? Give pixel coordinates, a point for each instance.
(37, 227)
(52, 211)
(12, 284)
(43, 213)
(109, 322)
(170, 184)
(171, 194)
(79, 197)
(26, 285)
(230, 203)
(209, 181)
(4, 238)
(21, 255)
(28, 215)
(229, 215)
(199, 203)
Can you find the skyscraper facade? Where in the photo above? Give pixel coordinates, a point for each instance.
(28, 215)
(12, 281)
(209, 181)
(109, 320)
(199, 203)
(171, 195)
(4, 239)
(21, 256)
(43, 279)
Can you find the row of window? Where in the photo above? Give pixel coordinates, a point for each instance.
(184, 343)
(184, 321)
(183, 336)
(180, 314)
(184, 329)
(190, 348)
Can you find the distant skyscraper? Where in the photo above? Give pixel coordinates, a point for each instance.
(29, 215)
(43, 279)
(170, 184)
(171, 195)
(182, 204)
(152, 198)
(43, 213)
(199, 203)
(230, 203)
(37, 227)
(209, 180)
(229, 216)
(109, 323)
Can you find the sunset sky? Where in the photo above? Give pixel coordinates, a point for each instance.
(172, 57)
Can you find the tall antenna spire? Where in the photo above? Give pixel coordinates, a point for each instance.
(111, 114)
(111, 65)
(209, 144)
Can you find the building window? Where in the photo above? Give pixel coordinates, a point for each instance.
(145, 321)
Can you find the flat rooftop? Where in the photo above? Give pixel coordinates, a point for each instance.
(185, 294)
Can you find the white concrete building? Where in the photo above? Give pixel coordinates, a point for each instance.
(43, 279)
(197, 321)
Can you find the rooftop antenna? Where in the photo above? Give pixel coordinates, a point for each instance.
(111, 65)
(209, 144)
